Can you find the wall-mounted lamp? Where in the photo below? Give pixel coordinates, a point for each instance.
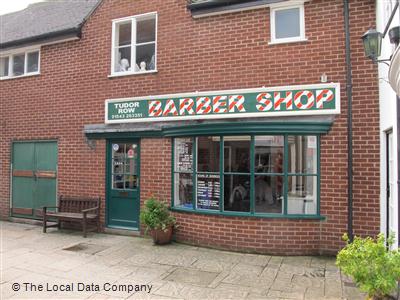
(394, 35)
(372, 41)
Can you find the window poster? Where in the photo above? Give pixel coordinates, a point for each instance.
(184, 150)
(208, 191)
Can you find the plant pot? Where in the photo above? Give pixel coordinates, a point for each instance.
(161, 237)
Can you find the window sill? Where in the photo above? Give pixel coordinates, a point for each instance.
(278, 42)
(240, 214)
(20, 76)
(131, 73)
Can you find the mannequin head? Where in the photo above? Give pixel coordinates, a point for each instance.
(124, 64)
(143, 66)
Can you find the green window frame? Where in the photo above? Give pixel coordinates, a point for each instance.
(288, 176)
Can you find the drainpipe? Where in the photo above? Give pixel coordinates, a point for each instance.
(349, 92)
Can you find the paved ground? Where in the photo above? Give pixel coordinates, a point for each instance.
(105, 266)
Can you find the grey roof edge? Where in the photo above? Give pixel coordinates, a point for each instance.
(89, 14)
(74, 31)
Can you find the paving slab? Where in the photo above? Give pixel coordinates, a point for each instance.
(192, 276)
(174, 271)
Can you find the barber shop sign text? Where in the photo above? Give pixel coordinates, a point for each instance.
(315, 99)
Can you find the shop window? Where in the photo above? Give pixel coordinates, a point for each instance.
(268, 174)
(19, 64)
(302, 164)
(287, 24)
(134, 44)
(237, 173)
(249, 175)
(183, 173)
(208, 180)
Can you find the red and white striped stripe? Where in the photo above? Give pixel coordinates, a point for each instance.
(236, 101)
(265, 104)
(219, 104)
(323, 96)
(186, 105)
(310, 99)
(203, 105)
(170, 108)
(155, 108)
(278, 100)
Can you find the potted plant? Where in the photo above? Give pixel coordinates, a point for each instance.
(372, 265)
(158, 221)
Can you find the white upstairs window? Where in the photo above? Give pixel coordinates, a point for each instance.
(134, 44)
(19, 63)
(287, 23)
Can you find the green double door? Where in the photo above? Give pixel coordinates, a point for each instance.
(123, 201)
(34, 177)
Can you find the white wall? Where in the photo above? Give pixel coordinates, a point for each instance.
(387, 103)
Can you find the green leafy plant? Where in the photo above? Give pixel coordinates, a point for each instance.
(372, 266)
(156, 215)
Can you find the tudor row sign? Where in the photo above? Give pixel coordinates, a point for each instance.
(315, 99)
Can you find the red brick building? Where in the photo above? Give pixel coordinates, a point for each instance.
(236, 114)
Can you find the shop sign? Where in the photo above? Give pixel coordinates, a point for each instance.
(318, 99)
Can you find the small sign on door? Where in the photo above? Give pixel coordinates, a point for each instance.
(130, 153)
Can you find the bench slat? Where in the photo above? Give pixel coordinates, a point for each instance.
(68, 215)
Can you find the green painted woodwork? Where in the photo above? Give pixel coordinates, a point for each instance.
(231, 128)
(291, 100)
(23, 189)
(31, 192)
(285, 176)
(46, 156)
(45, 194)
(24, 156)
(240, 128)
(241, 214)
(252, 212)
(123, 204)
(221, 173)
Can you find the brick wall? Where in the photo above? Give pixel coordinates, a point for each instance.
(214, 53)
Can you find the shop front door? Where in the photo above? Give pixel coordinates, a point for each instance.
(34, 177)
(123, 201)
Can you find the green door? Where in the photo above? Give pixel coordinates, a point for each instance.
(34, 178)
(123, 202)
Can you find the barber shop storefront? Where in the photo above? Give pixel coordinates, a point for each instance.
(235, 113)
(230, 159)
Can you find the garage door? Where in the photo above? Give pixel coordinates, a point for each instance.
(34, 177)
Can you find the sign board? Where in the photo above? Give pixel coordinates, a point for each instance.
(208, 191)
(317, 99)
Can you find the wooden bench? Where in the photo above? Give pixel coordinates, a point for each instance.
(73, 209)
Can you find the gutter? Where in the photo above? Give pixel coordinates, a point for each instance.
(349, 92)
(213, 3)
(215, 7)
